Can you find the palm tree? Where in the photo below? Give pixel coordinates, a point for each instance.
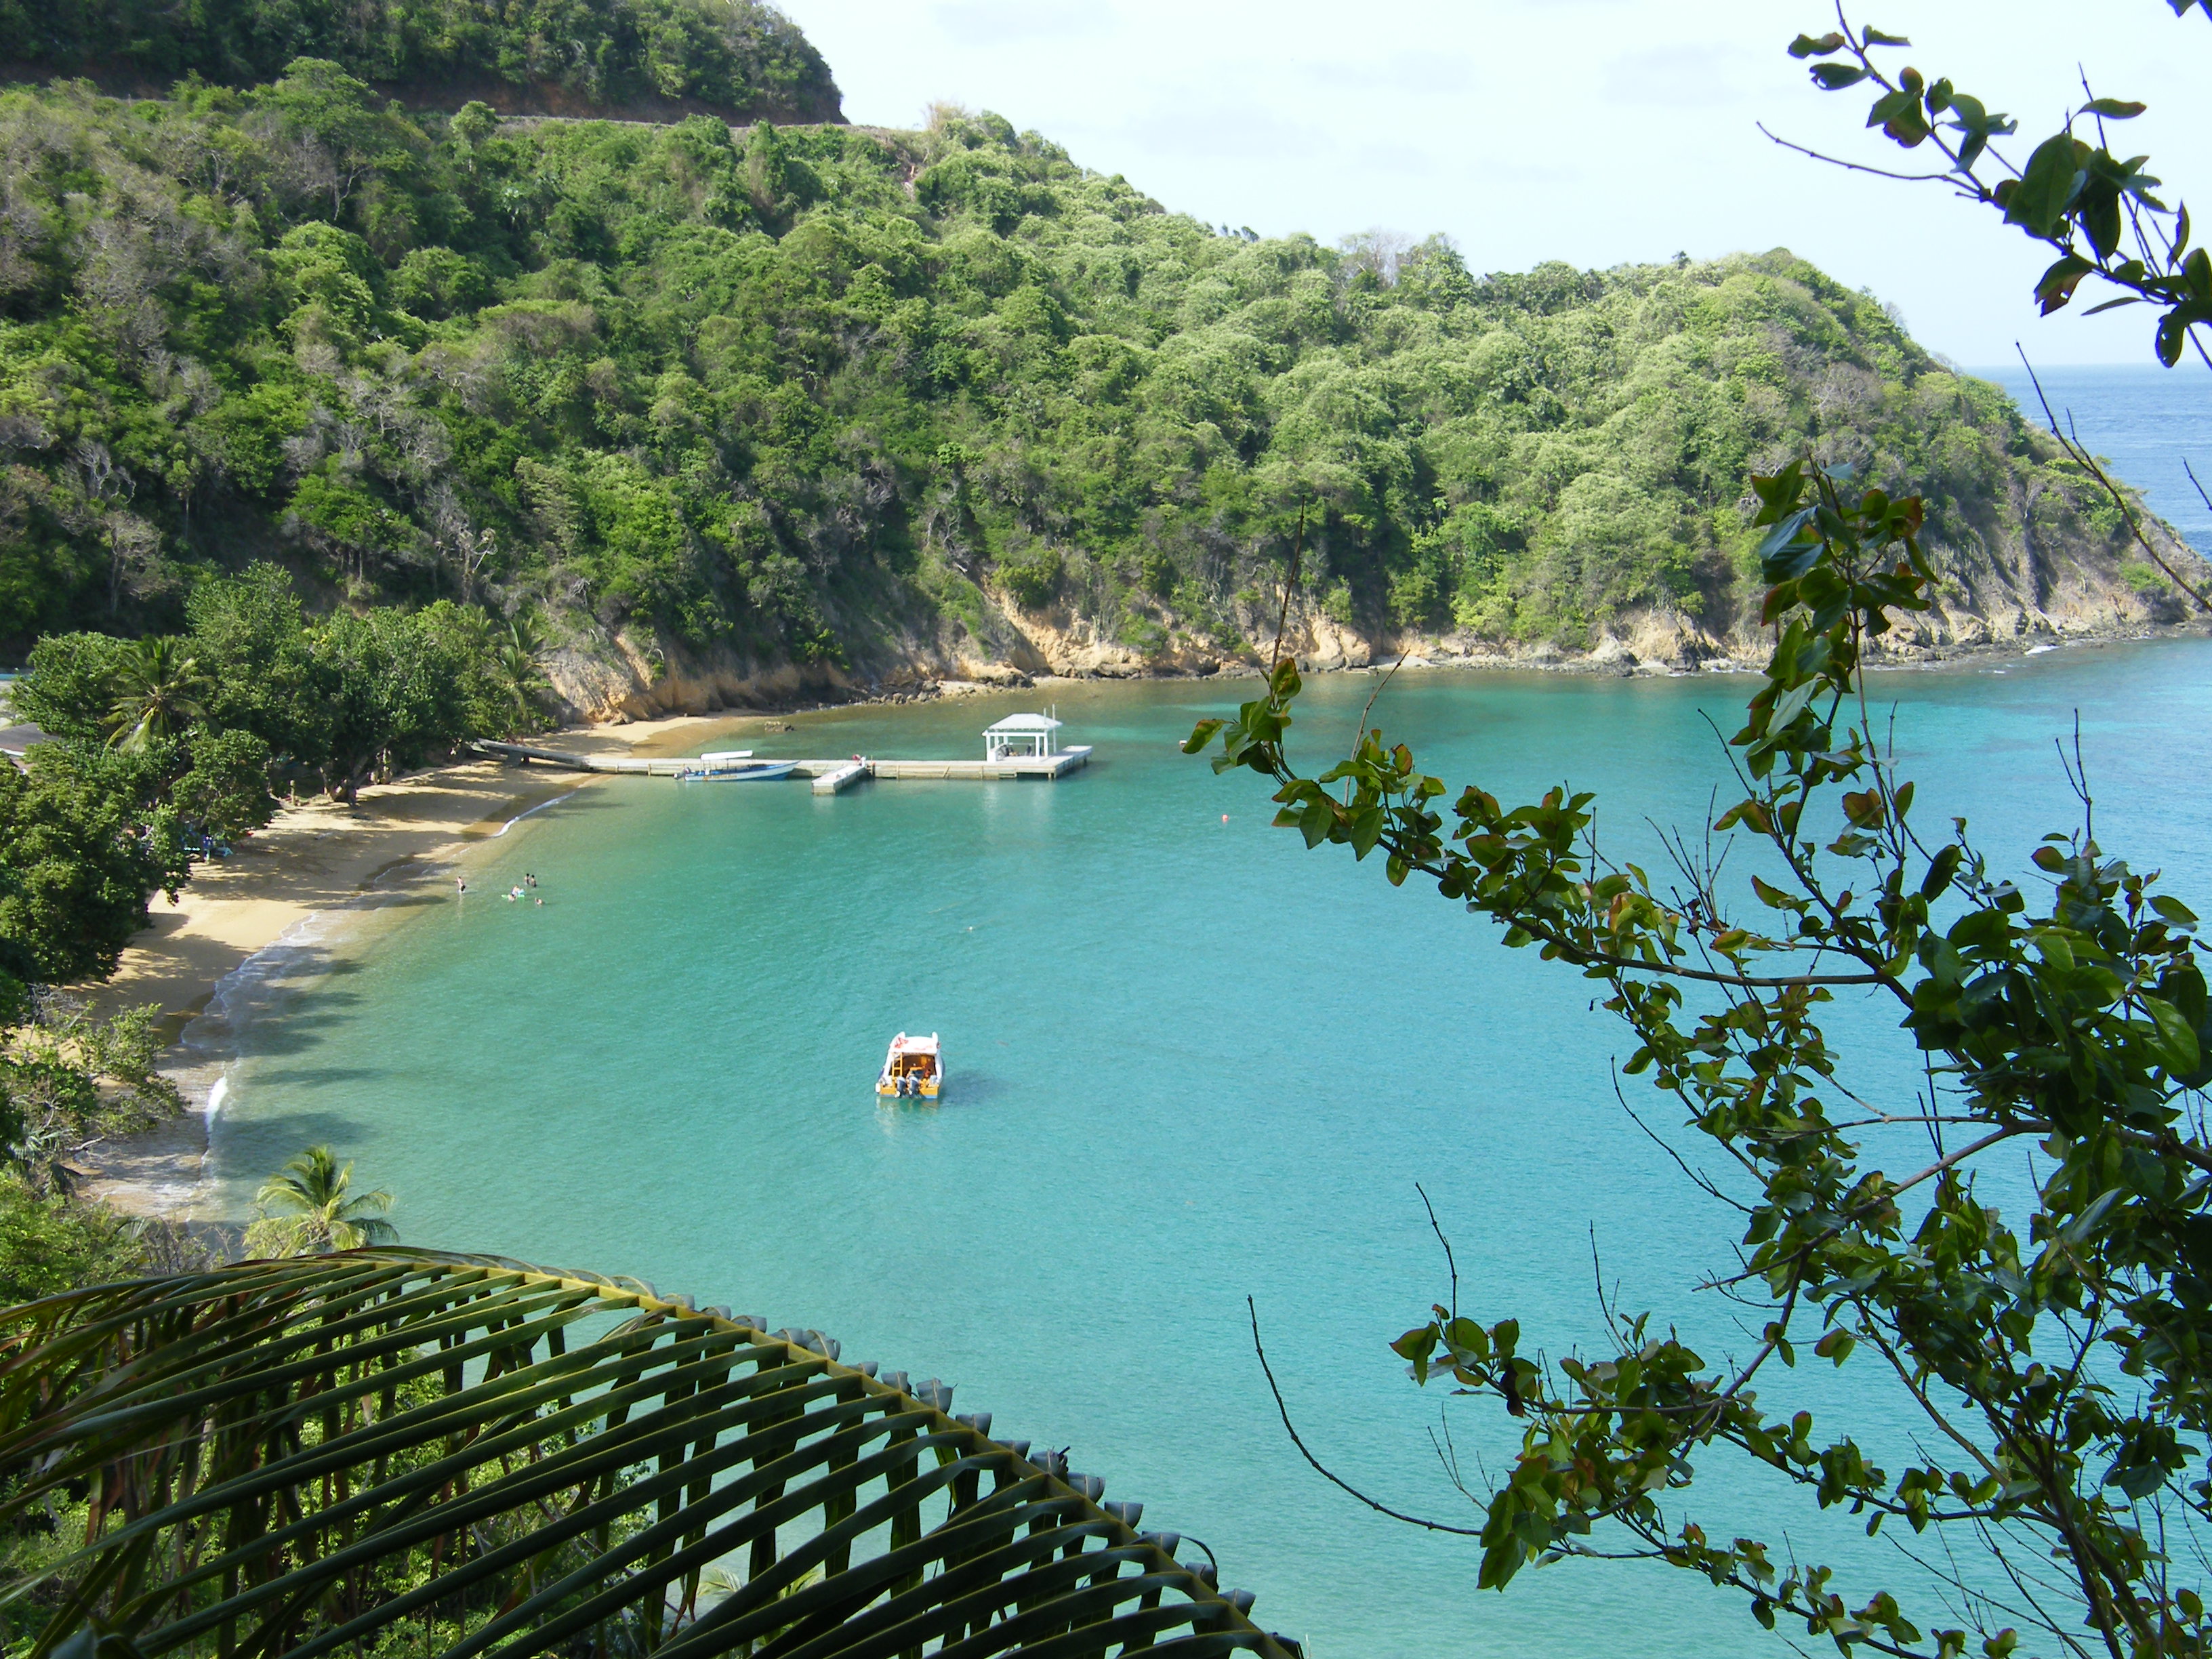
(157, 693)
(312, 1213)
(623, 1473)
(517, 661)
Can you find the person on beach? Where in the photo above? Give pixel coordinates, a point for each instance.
(460, 886)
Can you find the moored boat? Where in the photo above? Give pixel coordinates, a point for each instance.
(734, 767)
(915, 1066)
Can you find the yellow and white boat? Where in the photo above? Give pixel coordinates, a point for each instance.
(914, 1067)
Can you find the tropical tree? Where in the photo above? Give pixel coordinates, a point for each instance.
(519, 665)
(306, 1210)
(159, 690)
(82, 851)
(389, 1452)
(972, 374)
(68, 685)
(2056, 1493)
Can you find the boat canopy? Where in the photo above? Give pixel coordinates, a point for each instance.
(903, 1044)
(1025, 735)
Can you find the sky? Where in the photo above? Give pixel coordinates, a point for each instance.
(1595, 131)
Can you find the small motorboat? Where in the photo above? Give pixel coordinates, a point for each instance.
(913, 1066)
(734, 766)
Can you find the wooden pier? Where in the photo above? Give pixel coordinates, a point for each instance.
(829, 777)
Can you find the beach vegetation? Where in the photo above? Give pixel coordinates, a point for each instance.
(69, 1081)
(51, 1242)
(86, 841)
(2046, 1040)
(308, 1208)
(157, 691)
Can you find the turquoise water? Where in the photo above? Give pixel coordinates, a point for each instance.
(1189, 1062)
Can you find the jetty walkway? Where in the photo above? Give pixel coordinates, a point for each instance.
(829, 777)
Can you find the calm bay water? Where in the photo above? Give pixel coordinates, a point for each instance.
(1189, 1062)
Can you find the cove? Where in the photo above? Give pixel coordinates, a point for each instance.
(1189, 1062)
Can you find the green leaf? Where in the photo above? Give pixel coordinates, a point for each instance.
(1834, 77)
(1941, 869)
(1900, 115)
(2114, 109)
(2054, 176)
(2175, 1046)
(1201, 735)
(2172, 336)
(1808, 45)
(2057, 284)
(1790, 705)
(2197, 274)
(559, 1421)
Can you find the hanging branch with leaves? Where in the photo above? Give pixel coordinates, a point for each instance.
(2099, 212)
(2078, 1026)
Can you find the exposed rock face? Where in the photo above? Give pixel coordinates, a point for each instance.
(1988, 597)
(619, 676)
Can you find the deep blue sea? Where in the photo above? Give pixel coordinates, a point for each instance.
(1190, 1063)
(2146, 420)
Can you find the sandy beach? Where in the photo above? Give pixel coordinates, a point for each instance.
(312, 862)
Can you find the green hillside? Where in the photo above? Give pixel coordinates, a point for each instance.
(843, 397)
(658, 58)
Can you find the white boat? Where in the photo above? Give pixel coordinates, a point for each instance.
(736, 767)
(915, 1066)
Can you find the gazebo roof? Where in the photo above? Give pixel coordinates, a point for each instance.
(1023, 723)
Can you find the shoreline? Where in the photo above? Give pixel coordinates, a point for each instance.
(1620, 664)
(262, 914)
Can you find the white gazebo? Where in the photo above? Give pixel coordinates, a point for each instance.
(1020, 737)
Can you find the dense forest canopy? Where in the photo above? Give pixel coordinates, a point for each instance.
(799, 394)
(737, 57)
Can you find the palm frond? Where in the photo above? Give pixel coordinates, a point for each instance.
(407, 1452)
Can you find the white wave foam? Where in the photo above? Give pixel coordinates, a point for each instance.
(255, 983)
(540, 807)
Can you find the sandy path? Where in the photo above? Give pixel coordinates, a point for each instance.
(310, 861)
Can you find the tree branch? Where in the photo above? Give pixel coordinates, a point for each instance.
(1290, 1429)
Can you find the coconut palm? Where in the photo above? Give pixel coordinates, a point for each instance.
(312, 1212)
(157, 693)
(394, 1452)
(517, 656)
